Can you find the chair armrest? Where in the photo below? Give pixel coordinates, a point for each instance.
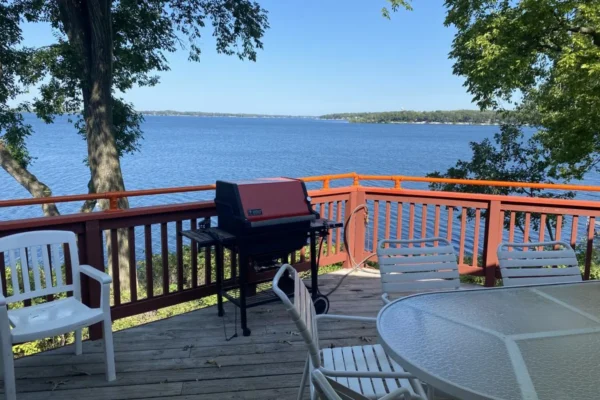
(386, 298)
(95, 274)
(402, 394)
(399, 394)
(346, 318)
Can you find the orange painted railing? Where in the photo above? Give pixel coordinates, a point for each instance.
(326, 180)
(475, 223)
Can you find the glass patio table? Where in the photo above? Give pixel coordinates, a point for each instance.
(530, 342)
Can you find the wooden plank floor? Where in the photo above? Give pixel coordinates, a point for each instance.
(187, 356)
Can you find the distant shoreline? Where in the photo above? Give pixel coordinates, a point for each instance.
(260, 116)
(451, 117)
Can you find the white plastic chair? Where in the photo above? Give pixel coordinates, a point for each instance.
(526, 264)
(328, 389)
(35, 267)
(364, 369)
(417, 265)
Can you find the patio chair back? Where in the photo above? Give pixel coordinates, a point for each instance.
(36, 262)
(538, 263)
(301, 310)
(328, 389)
(415, 265)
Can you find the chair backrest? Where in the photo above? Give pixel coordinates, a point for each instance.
(301, 310)
(538, 263)
(35, 261)
(415, 265)
(328, 389)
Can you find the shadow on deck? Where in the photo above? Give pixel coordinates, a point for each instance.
(187, 356)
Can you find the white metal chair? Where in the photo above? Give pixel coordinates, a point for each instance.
(538, 263)
(365, 369)
(417, 265)
(328, 389)
(35, 267)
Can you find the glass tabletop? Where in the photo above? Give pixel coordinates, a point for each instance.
(534, 342)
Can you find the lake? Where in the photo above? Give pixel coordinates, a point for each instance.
(182, 151)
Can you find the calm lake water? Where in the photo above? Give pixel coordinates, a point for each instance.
(181, 151)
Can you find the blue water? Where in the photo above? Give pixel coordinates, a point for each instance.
(180, 151)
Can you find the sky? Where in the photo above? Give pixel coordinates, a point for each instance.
(319, 57)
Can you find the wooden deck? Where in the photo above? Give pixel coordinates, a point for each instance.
(187, 356)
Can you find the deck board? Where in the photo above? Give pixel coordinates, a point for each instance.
(187, 357)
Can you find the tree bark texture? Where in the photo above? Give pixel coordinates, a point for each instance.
(88, 25)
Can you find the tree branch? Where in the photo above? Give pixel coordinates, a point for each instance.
(27, 180)
(585, 30)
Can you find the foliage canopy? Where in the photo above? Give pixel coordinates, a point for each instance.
(537, 55)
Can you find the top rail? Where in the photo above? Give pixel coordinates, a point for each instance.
(326, 180)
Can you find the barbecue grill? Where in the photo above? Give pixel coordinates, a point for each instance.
(263, 221)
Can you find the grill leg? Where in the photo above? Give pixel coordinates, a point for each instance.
(243, 289)
(220, 272)
(314, 268)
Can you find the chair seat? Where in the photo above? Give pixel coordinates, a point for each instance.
(57, 316)
(371, 358)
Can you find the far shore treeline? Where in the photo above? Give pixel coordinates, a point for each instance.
(388, 117)
(442, 117)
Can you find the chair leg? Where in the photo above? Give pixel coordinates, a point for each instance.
(8, 367)
(109, 352)
(78, 344)
(304, 379)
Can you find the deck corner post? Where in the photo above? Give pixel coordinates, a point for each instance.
(356, 228)
(492, 238)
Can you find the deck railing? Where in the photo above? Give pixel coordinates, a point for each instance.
(476, 224)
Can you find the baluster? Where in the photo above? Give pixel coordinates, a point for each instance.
(149, 261)
(375, 225)
(463, 231)
(423, 223)
(132, 264)
(574, 228)
(179, 254)
(114, 251)
(194, 255)
(475, 260)
(399, 221)
(164, 252)
(590, 247)
(338, 232)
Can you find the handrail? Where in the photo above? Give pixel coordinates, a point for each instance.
(326, 180)
(113, 197)
(398, 179)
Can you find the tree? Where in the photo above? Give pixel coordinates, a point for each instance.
(102, 48)
(541, 56)
(510, 157)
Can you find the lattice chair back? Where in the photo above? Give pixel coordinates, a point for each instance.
(538, 263)
(301, 310)
(36, 262)
(417, 265)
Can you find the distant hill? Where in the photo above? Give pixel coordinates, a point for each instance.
(423, 117)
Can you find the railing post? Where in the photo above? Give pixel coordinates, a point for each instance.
(492, 238)
(356, 229)
(95, 258)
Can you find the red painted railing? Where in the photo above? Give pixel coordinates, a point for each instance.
(474, 223)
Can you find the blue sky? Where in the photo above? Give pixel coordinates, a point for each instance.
(320, 56)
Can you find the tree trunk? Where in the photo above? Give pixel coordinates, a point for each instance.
(88, 26)
(27, 180)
